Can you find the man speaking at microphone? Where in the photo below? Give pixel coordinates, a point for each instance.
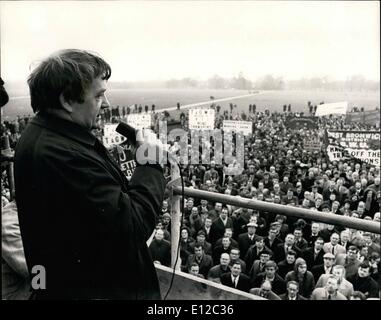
(80, 219)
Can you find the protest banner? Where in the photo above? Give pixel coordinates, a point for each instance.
(302, 123)
(201, 119)
(362, 145)
(246, 127)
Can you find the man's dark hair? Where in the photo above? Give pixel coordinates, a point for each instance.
(69, 72)
(291, 253)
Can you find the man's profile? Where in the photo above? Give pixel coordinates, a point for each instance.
(79, 216)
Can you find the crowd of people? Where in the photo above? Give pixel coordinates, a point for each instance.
(273, 256)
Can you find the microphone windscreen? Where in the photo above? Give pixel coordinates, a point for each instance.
(127, 131)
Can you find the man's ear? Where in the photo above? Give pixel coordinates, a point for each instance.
(65, 103)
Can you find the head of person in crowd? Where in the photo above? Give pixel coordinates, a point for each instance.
(190, 203)
(194, 269)
(298, 233)
(234, 254)
(218, 206)
(71, 84)
(289, 240)
(315, 228)
(352, 253)
(264, 256)
(292, 289)
(334, 238)
(291, 257)
(184, 234)
(208, 222)
(201, 237)
(344, 236)
(332, 285)
(377, 217)
(270, 269)
(228, 233)
(226, 242)
(159, 235)
(265, 289)
(259, 242)
(224, 213)
(198, 250)
(236, 268)
(225, 259)
(280, 219)
(364, 270)
(300, 267)
(251, 227)
(328, 260)
(364, 252)
(338, 271)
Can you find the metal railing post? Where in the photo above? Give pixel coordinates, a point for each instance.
(175, 221)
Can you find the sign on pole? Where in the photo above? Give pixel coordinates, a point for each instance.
(201, 119)
(246, 127)
(139, 121)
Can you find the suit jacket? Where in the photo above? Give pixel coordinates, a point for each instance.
(338, 248)
(322, 294)
(245, 243)
(309, 256)
(79, 216)
(274, 244)
(285, 297)
(216, 272)
(217, 230)
(243, 281)
(280, 253)
(161, 251)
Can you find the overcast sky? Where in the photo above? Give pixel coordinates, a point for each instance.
(157, 40)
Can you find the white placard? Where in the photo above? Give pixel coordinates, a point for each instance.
(110, 136)
(331, 108)
(139, 121)
(201, 119)
(246, 127)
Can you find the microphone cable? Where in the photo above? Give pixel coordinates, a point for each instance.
(181, 225)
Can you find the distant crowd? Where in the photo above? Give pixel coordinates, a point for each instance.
(274, 256)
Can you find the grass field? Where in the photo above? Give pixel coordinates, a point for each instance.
(19, 103)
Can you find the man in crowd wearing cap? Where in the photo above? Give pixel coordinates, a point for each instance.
(217, 271)
(325, 268)
(247, 239)
(329, 292)
(270, 274)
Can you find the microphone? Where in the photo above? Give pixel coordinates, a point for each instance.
(127, 131)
